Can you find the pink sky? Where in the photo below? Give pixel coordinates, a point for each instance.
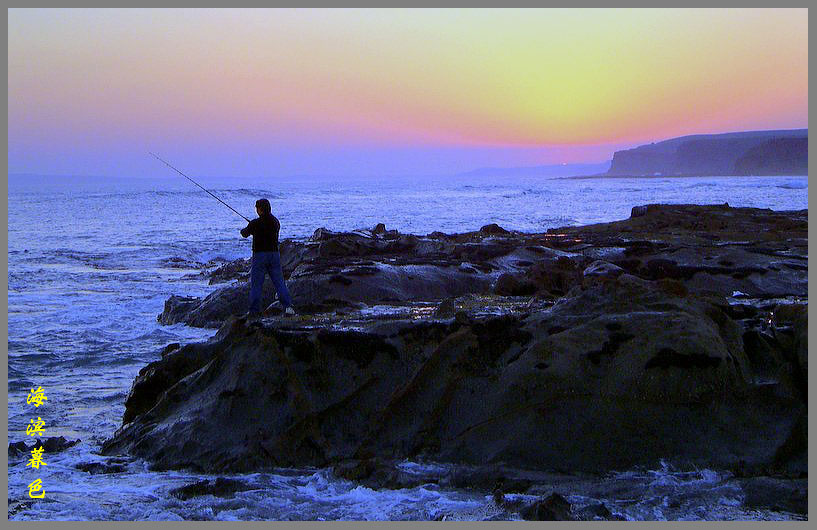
(279, 92)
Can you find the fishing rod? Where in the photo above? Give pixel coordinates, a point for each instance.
(199, 185)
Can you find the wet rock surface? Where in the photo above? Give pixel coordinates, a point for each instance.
(759, 252)
(96, 468)
(749, 252)
(677, 335)
(220, 487)
(51, 444)
(552, 508)
(774, 494)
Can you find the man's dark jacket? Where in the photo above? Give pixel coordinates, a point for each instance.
(264, 232)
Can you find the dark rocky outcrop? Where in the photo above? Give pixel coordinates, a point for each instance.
(234, 270)
(718, 249)
(96, 468)
(756, 253)
(552, 508)
(623, 364)
(52, 444)
(220, 487)
(774, 494)
(583, 349)
(17, 449)
(343, 269)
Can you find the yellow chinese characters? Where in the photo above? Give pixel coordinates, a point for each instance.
(36, 397)
(36, 427)
(36, 458)
(34, 487)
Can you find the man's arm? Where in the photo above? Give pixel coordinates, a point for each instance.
(246, 232)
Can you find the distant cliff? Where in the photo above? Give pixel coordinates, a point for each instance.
(783, 152)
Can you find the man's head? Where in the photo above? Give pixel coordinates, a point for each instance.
(263, 207)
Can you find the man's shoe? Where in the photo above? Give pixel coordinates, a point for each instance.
(289, 310)
(273, 309)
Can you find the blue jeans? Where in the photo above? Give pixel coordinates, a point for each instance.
(263, 263)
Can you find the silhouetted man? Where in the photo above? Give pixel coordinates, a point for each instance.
(265, 258)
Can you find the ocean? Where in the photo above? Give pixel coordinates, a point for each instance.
(92, 260)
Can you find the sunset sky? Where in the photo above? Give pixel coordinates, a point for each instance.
(343, 92)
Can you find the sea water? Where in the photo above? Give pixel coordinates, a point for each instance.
(92, 260)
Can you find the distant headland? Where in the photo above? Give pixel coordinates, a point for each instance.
(762, 153)
(781, 152)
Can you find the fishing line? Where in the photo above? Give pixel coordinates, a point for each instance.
(199, 185)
